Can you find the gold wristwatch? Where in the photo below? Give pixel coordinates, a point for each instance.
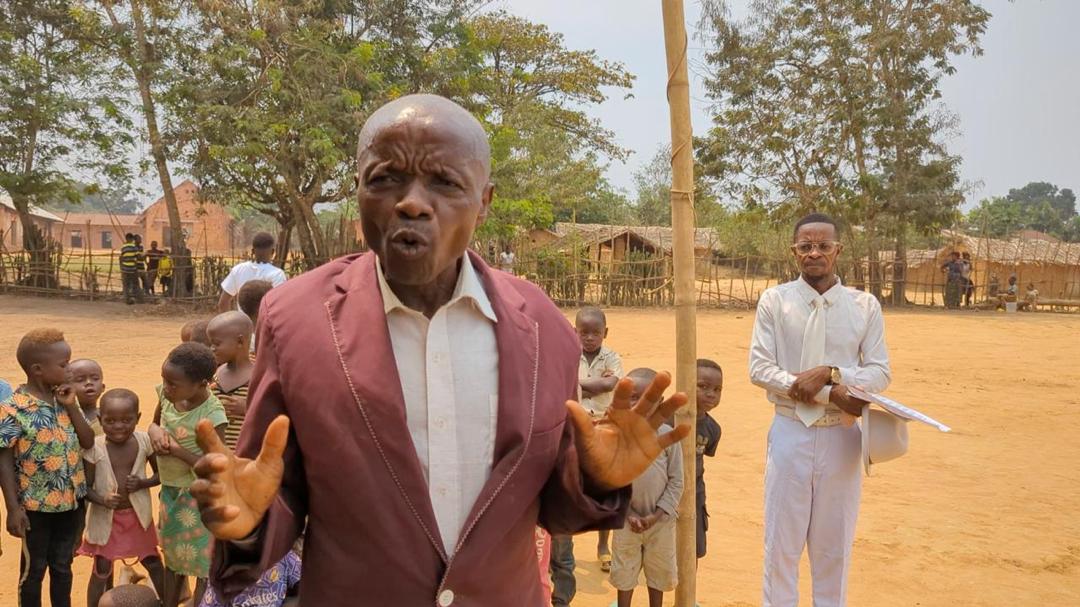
(834, 376)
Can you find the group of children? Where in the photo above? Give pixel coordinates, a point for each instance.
(647, 541)
(76, 474)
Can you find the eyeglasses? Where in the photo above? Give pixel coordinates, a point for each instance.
(825, 247)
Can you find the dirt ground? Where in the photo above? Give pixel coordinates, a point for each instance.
(986, 515)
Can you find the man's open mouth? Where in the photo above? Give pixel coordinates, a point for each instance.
(408, 243)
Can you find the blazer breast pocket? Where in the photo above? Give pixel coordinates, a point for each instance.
(544, 445)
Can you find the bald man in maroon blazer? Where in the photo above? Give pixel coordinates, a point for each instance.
(416, 407)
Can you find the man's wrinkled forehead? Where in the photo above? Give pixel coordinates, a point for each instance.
(451, 133)
(810, 231)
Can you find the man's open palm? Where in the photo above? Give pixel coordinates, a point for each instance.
(620, 446)
(235, 492)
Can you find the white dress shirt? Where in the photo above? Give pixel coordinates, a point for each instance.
(449, 370)
(854, 339)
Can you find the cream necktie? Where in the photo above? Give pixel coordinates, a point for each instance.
(813, 355)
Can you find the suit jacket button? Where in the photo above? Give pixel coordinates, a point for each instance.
(446, 598)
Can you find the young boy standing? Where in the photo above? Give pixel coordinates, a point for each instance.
(230, 340)
(165, 272)
(86, 378)
(120, 523)
(42, 434)
(710, 383)
(648, 539)
(599, 370)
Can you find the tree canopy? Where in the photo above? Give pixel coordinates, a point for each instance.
(1037, 206)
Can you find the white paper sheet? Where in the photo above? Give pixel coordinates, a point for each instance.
(896, 408)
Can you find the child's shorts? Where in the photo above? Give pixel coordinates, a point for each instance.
(653, 551)
(127, 539)
(702, 527)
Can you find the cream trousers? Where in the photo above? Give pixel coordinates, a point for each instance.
(813, 482)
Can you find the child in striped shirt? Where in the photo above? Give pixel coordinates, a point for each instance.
(230, 339)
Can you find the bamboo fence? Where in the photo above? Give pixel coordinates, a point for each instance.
(590, 271)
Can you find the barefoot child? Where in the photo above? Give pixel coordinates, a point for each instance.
(599, 370)
(185, 399)
(648, 539)
(42, 434)
(120, 521)
(86, 378)
(230, 339)
(710, 383)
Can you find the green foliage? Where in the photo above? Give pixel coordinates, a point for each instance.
(832, 105)
(269, 106)
(507, 216)
(57, 115)
(1036, 206)
(530, 91)
(652, 196)
(273, 96)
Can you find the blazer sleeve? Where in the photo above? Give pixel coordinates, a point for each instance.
(238, 564)
(569, 502)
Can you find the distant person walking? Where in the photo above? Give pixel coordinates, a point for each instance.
(262, 249)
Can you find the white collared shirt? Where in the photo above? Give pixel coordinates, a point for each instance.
(449, 370)
(854, 339)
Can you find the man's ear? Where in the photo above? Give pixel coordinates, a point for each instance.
(485, 203)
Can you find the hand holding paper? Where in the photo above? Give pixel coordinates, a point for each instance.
(896, 408)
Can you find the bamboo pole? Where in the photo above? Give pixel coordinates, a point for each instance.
(682, 221)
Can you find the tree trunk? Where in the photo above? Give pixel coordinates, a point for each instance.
(874, 271)
(311, 240)
(39, 272)
(140, 69)
(157, 147)
(899, 285)
(281, 252)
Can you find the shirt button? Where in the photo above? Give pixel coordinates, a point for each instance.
(440, 423)
(446, 598)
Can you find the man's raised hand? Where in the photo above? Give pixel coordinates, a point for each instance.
(235, 492)
(621, 445)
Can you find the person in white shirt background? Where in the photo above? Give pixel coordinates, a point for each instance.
(812, 338)
(262, 249)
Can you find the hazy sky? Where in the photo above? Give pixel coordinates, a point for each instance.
(1018, 104)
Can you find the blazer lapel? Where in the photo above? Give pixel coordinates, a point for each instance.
(362, 340)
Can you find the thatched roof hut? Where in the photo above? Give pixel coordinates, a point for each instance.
(1051, 265)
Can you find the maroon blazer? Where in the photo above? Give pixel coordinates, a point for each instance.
(326, 361)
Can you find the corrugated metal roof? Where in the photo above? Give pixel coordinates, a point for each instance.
(5, 200)
(659, 236)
